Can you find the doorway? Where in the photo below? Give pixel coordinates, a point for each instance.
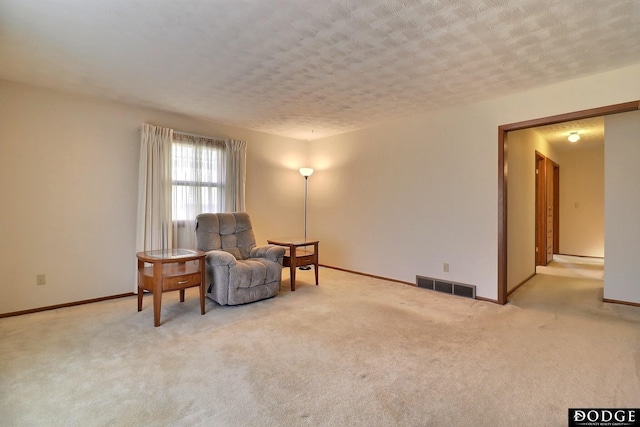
(503, 174)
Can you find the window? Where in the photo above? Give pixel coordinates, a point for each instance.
(196, 182)
(207, 175)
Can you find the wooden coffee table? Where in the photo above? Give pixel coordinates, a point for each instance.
(296, 257)
(169, 271)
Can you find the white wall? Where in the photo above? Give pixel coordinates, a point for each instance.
(521, 202)
(402, 198)
(582, 201)
(69, 172)
(622, 207)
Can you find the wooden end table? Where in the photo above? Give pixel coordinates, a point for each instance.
(169, 271)
(295, 257)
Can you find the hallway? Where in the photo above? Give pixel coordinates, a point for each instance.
(569, 285)
(574, 266)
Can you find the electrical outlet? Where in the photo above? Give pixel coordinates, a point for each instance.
(41, 279)
(445, 267)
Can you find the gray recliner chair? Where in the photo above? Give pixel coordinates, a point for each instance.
(237, 271)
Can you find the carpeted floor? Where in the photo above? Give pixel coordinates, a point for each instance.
(574, 266)
(354, 351)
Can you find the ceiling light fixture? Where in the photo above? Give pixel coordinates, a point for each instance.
(574, 137)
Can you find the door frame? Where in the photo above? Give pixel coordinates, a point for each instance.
(503, 173)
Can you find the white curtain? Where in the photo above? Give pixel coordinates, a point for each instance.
(182, 175)
(198, 183)
(154, 189)
(235, 175)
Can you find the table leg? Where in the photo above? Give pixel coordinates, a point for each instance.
(315, 265)
(157, 292)
(140, 290)
(292, 268)
(181, 295)
(157, 303)
(202, 285)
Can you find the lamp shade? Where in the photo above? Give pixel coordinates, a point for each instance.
(306, 172)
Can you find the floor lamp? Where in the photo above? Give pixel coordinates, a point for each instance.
(306, 172)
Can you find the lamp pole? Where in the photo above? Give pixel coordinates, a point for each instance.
(306, 172)
(306, 183)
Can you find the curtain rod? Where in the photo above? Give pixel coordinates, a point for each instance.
(179, 132)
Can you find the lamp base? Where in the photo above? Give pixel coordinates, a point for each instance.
(305, 267)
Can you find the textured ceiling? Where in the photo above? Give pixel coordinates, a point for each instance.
(311, 68)
(591, 133)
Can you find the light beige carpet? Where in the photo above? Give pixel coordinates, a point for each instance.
(354, 351)
(574, 266)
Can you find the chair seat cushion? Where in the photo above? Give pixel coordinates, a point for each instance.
(252, 280)
(247, 274)
(254, 272)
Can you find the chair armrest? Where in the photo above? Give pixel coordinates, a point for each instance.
(217, 258)
(271, 252)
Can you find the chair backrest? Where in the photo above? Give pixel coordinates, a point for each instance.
(230, 232)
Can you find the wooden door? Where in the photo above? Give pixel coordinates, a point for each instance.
(549, 216)
(547, 182)
(556, 208)
(541, 254)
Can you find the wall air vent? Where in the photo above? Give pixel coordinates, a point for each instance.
(425, 282)
(445, 287)
(452, 288)
(468, 291)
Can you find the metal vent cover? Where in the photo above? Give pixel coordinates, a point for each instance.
(468, 291)
(447, 287)
(425, 282)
